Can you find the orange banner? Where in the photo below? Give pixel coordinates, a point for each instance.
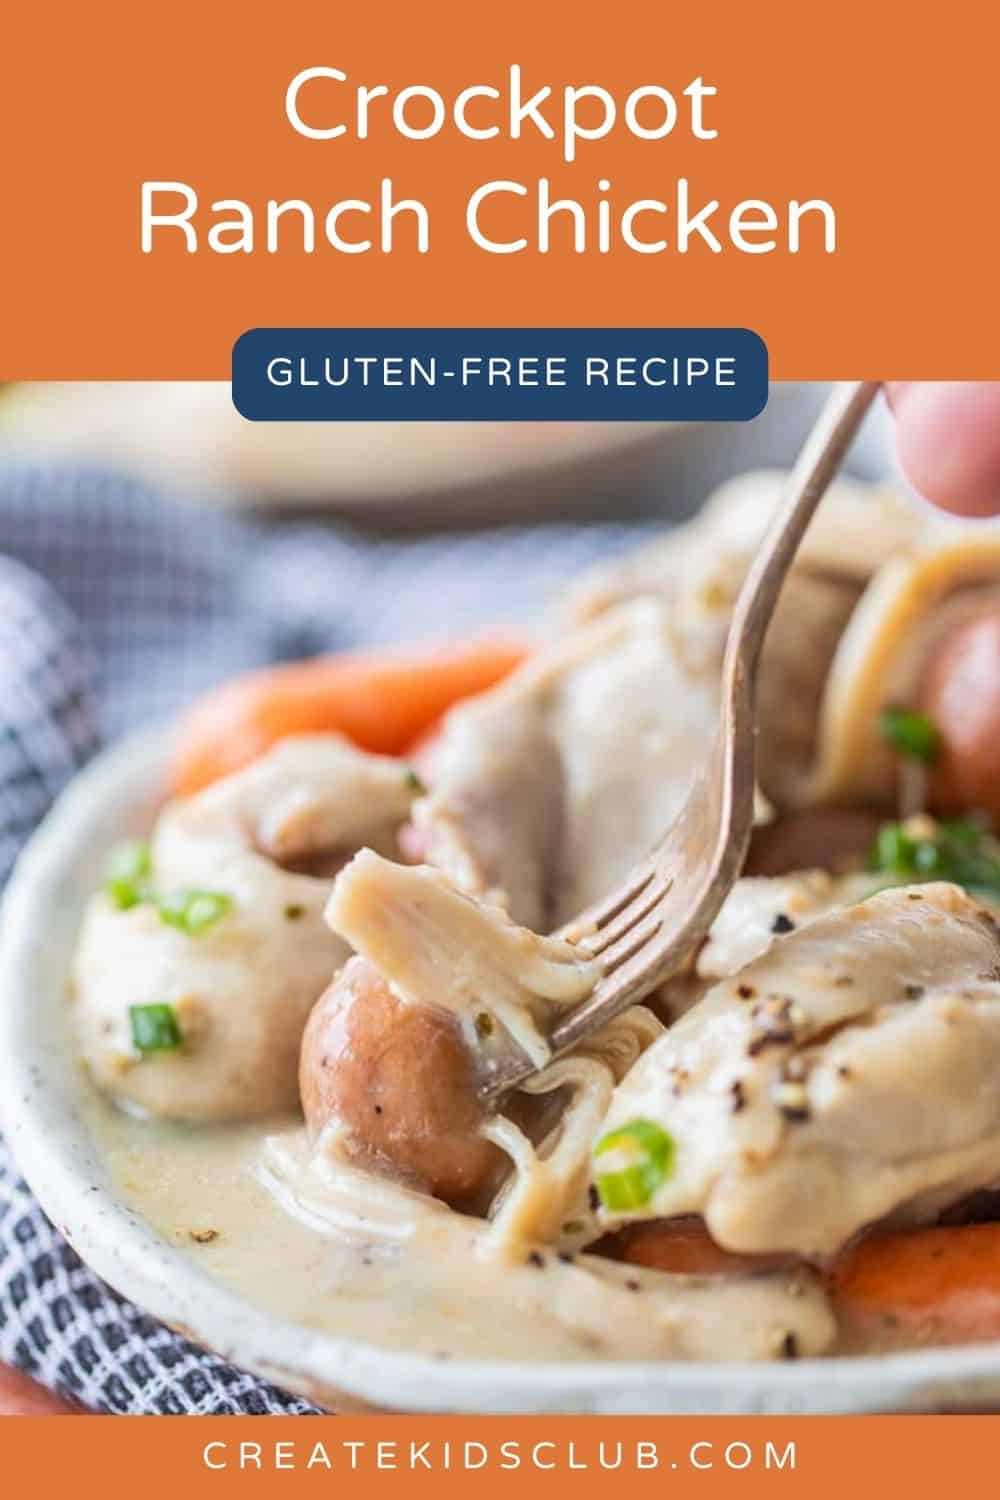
(517, 1456)
(847, 153)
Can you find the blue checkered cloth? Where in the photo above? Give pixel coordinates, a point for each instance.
(117, 605)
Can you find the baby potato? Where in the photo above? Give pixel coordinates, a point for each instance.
(401, 1082)
(959, 690)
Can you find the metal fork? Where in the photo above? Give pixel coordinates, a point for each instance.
(647, 929)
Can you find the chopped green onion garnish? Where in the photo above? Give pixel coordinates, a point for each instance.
(154, 1028)
(893, 851)
(910, 733)
(127, 873)
(413, 782)
(192, 911)
(962, 850)
(646, 1154)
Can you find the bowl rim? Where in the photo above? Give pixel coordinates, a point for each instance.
(55, 1152)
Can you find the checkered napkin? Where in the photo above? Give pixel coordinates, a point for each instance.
(117, 604)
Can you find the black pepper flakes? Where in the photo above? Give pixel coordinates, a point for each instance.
(782, 923)
(632, 1285)
(790, 1346)
(737, 1096)
(745, 991)
(679, 1077)
(791, 1098)
(593, 1198)
(536, 1259)
(774, 1022)
(914, 991)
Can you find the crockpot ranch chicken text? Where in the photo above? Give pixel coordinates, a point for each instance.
(732, 1170)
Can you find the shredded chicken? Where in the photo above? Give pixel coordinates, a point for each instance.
(846, 1074)
(546, 791)
(437, 946)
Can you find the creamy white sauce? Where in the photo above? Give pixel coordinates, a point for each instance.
(235, 1200)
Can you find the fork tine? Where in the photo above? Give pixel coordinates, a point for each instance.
(635, 938)
(649, 894)
(595, 918)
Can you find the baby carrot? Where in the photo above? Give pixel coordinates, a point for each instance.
(927, 1284)
(381, 700)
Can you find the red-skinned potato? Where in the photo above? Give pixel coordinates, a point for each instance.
(959, 690)
(401, 1082)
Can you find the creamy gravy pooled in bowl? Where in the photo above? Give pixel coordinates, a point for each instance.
(244, 1202)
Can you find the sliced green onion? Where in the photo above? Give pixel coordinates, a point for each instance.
(192, 911)
(413, 782)
(154, 1028)
(893, 850)
(968, 832)
(910, 733)
(962, 850)
(127, 872)
(647, 1160)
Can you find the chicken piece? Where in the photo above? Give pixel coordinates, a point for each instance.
(432, 942)
(847, 1074)
(855, 530)
(547, 790)
(225, 1006)
(757, 910)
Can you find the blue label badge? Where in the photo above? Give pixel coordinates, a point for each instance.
(499, 374)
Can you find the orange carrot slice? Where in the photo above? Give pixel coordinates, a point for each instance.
(382, 701)
(941, 1283)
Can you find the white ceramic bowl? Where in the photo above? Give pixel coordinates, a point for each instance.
(41, 1093)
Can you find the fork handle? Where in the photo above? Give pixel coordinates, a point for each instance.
(821, 456)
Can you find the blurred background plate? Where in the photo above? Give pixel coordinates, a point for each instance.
(188, 435)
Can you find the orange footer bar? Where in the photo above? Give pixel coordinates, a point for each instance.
(499, 1456)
